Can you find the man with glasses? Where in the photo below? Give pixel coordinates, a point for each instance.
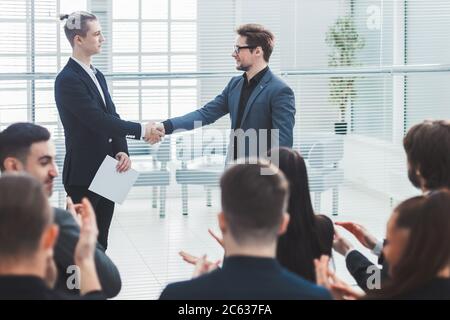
(256, 101)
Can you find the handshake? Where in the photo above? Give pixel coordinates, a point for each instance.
(154, 132)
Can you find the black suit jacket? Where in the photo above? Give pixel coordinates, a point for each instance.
(92, 130)
(33, 288)
(358, 264)
(246, 278)
(69, 233)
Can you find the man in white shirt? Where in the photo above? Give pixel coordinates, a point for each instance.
(92, 127)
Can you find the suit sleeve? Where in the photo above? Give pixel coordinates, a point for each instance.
(69, 233)
(208, 114)
(283, 115)
(119, 144)
(72, 98)
(174, 291)
(357, 265)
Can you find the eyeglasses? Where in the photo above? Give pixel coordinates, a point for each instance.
(236, 49)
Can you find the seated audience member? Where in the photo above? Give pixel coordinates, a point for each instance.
(308, 236)
(253, 217)
(26, 147)
(27, 237)
(427, 146)
(417, 250)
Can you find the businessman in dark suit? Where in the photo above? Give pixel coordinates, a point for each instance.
(92, 127)
(26, 147)
(258, 101)
(253, 217)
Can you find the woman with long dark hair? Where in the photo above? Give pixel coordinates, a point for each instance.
(308, 235)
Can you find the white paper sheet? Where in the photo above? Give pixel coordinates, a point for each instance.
(111, 184)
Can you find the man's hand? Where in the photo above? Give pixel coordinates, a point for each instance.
(340, 244)
(326, 278)
(124, 163)
(73, 208)
(189, 258)
(204, 266)
(361, 233)
(84, 251)
(154, 132)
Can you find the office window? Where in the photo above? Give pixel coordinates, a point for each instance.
(160, 37)
(150, 43)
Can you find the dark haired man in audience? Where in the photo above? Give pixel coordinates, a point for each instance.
(427, 147)
(253, 217)
(26, 147)
(27, 238)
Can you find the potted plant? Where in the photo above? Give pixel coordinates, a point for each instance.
(344, 40)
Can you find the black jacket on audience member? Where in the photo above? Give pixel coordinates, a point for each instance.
(358, 264)
(246, 278)
(34, 288)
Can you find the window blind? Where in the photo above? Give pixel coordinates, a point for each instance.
(163, 58)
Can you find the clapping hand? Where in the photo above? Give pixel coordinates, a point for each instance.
(360, 232)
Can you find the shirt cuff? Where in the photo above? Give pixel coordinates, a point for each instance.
(378, 248)
(142, 130)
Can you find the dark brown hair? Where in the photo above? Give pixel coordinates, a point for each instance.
(24, 215)
(308, 236)
(253, 203)
(427, 147)
(16, 140)
(258, 36)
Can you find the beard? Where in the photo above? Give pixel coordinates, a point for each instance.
(242, 67)
(414, 178)
(48, 187)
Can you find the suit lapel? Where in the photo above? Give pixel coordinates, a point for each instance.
(88, 80)
(261, 86)
(104, 87)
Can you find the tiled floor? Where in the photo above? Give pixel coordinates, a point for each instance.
(145, 247)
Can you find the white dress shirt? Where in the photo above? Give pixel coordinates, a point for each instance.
(91, 71)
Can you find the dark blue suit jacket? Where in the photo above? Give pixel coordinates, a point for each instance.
(92, 130)
(358, 266)
(270, 106)
(246, 278)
